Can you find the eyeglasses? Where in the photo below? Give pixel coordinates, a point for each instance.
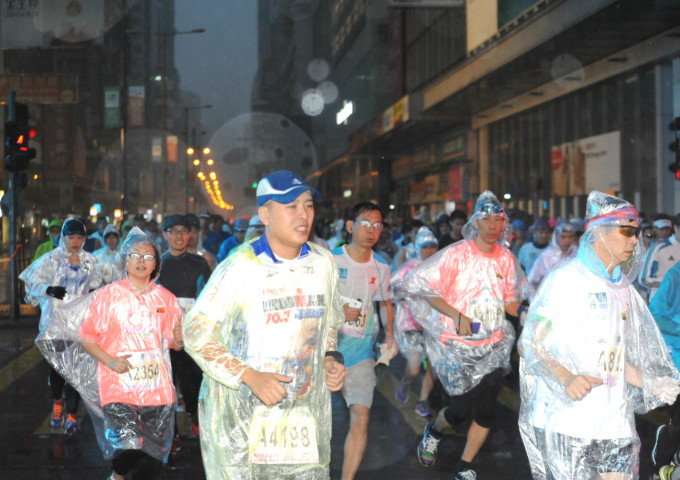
(177, 231)
(139, 256)
(491, 209)
(367, 224)
(629, 231)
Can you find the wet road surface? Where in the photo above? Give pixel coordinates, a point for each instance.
(32, 450)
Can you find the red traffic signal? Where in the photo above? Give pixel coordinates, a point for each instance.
(17, 135)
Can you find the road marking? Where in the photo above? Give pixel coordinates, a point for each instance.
(16, 368)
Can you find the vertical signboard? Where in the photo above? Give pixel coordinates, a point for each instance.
(156, 149)
(136, 109)
(171, 145)
(111, 107)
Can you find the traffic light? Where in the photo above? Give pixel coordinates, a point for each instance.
(674, 147)
(17, 135)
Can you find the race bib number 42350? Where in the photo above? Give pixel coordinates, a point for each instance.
(282, 436)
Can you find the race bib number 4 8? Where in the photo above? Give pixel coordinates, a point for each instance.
(145, 374)
(282, 436)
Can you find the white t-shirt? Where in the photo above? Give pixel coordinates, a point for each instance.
(361, 283)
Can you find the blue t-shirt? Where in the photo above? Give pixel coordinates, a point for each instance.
(362, 283)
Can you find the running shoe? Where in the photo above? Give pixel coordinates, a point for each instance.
(468, 474)
(57, 420)
(427, 448)
(402, 391)
(423, 409)
(72, 428)
(175, 446)
(666, 472)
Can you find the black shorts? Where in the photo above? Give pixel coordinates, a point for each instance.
(480, 401)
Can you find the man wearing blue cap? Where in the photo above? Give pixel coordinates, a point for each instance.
(264, 333)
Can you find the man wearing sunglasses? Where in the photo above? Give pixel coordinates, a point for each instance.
(471, 284)
(184, 274)
(592, 356)
(664, 254)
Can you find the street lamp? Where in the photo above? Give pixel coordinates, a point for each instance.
(164, 116)
(186, 157)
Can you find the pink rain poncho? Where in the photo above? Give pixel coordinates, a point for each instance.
(273, 316)
(592, 324)
(477, 284)
(134, 410)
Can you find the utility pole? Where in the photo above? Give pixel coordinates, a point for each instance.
(14, 309)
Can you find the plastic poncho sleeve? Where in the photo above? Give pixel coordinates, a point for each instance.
(37, 277)
(216, 309)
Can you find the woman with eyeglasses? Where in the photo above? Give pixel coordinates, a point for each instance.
(592, 356)
(120, 363)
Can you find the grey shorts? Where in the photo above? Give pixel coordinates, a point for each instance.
(360, 383)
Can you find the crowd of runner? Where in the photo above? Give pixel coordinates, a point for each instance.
(251, 323)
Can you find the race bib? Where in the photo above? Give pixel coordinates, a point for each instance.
(146, 371)
(357, 327)
(611, 364)
(490, 312)
(279, 436)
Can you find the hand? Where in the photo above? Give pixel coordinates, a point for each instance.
(266, 386)
(177, 336)
(665, 389)
(56, 292)
(391, 345)
(464, 327)
(578, 386)
(351, 314)
(335, 374)
(121, 364)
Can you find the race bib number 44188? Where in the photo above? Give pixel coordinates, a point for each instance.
(282, 436)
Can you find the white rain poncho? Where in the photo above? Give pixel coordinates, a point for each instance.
(273, 316)
(408, 332)
(591, 324)
(54, 269)
(551, 257)
(135, 410)
(480, 286)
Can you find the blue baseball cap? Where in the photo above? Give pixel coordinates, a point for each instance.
(282, 187)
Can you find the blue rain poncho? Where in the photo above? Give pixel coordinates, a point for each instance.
(592, 324)
(551, 257)
(134, 410)
(665, 307)
(276, 316)
(479, 285)
(54, 269)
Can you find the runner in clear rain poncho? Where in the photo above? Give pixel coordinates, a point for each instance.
(592, 356)
(560, 250)
(112, 346)
(264, 332)
(58, 277)
(409, 333)
(472, 284)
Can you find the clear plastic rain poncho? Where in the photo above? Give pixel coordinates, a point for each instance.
(54, 269)
(408, 332)
(478, 285)
(592, 324)
(134, 410)
(106, 258)
(552, 256)
(273, 316)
